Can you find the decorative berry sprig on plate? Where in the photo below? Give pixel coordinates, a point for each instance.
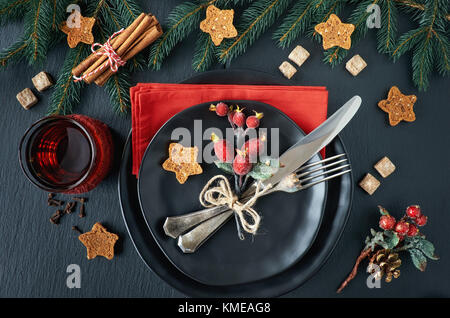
(242, 162)
(396, 236)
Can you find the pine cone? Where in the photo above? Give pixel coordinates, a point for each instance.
(387, 262)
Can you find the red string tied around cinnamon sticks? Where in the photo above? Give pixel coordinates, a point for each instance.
(114, 60)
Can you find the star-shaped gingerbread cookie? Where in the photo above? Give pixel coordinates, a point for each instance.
(182, 161)
(398, 106)
(219, 24)
(79, 33)
(335, 33)
(99, 242)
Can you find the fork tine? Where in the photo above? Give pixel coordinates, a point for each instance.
(321, 168)
(324, 173)
(306, 186)
(320, 162)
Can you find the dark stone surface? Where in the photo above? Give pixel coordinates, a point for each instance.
(35, 253)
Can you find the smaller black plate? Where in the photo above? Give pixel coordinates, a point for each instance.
(289, 221)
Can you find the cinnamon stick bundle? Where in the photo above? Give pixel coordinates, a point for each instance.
(144, 30)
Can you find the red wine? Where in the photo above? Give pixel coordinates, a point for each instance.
(59, 153)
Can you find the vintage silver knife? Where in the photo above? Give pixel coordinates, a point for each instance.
(292, 159)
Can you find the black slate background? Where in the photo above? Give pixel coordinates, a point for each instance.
(34, 254)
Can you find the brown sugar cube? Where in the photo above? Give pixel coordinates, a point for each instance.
(355, 65)
(42, 81)
(384, 167)
(298, 55)
(370, 184)
(287, 69)
(26, 98)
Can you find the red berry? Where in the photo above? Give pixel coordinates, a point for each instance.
(241, 164)
(387, 222)
(402, 227)
(413, 211)
(421, 220)
(239, 117)
(224, 151)
(413, 230)
(221, 109)
(253, 121)
(254, 146)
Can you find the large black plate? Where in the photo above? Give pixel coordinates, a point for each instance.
(290, 221)
(337, 211)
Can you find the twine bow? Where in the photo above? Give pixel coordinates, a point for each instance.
(114, 60)
(221, 194)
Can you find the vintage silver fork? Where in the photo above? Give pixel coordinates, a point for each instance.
(208, 221)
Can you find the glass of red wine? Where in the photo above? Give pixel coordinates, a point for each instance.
(68, 154)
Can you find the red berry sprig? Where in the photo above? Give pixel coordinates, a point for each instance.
(408, 225)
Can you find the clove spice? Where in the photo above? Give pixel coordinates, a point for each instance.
(54, 219)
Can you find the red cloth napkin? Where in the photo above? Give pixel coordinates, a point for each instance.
(153, 104)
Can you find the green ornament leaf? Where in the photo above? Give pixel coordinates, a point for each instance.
(427, 248)
(419, 260)
(391, 239)
(224, 166)
(264, 169)
(382, 210)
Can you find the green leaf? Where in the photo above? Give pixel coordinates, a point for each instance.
(391, 239)
(427, 248)
(418, 259)
(264, 169)
(382, 210)
(224, 166)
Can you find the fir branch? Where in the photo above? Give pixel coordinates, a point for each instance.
(118, 88)
(67, 93)
(256, 19)
(442, 53)
(14, 53)
(205, 53)
(38, 23)
(296, 22)
(409, 7)
(387, 33)
(422, 62)
(407, 41)
(12, 10)
(183, 19)
(427, 44)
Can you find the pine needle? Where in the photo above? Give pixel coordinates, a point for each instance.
(255, 20)
(205, 53)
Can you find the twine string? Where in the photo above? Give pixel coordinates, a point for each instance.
(217, 192)
(114, 60)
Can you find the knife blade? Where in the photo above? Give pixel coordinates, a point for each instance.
(312, 143)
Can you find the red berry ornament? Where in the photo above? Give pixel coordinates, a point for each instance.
(413, 230)
(239, 117)
(241, 164)
(387, 222)
(221, 109)
(413, 211)
(402, 227)
(222, 149)
(254, 146)
(253, 121)
(421, 220)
